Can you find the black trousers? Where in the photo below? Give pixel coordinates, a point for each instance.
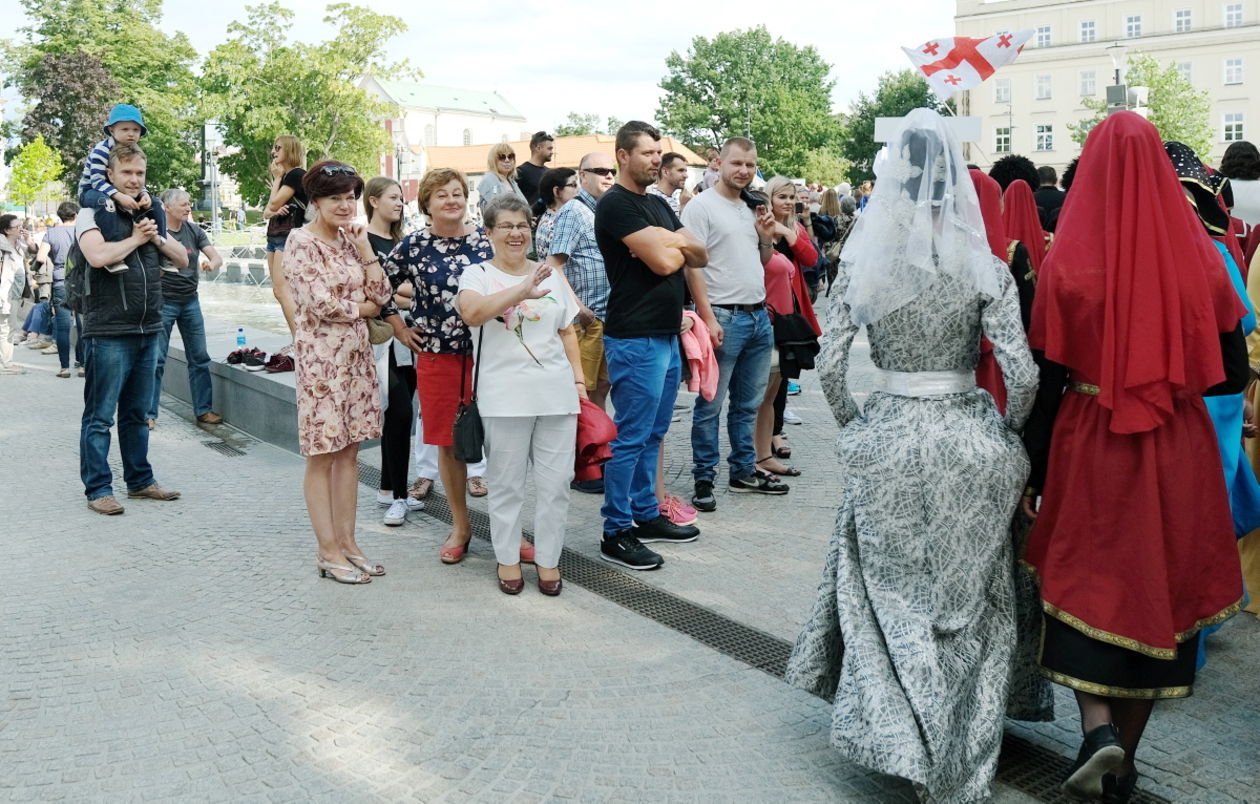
(396, 430)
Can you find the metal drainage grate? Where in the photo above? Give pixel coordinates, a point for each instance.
(1023, 765)
(224, 449)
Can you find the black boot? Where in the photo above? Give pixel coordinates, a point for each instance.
(1100, 754)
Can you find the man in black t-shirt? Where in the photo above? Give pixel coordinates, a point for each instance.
(528, 176)
(1049, 197)
(645, 248)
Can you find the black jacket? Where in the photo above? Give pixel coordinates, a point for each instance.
(128, 302)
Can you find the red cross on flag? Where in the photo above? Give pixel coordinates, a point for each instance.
(959, 63)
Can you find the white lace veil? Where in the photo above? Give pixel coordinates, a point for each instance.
(923, 218)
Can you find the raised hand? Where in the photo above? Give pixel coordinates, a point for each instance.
(532, 288)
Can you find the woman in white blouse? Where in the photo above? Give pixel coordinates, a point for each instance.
(529, 382)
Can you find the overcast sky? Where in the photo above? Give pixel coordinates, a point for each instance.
(550, 59)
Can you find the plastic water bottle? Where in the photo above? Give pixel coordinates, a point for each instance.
(240, 337)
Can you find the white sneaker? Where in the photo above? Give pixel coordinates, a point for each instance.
(384, 498)
(790, 417)
(397, 513)
(413, 504)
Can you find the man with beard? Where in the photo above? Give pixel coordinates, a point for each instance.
(645, 249)
(739, 240)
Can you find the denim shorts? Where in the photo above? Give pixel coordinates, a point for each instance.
(276, 242)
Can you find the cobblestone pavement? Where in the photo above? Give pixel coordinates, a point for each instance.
(186, 650)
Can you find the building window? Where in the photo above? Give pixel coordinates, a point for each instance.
(1233, 15)
(1233, 71)
(1233, 127)
(1043, 87)
(430, 137)
(1133, 26)
(1002, 141)
(468, 136)
(1002, 90)
(1089, 84)
(1181, 21)
(1089, 31)
(1043, 36)
(1184, 69)
(1045, 138)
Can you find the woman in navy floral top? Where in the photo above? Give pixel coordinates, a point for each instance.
(432, 260)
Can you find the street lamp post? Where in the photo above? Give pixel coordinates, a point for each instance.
(1117, 93)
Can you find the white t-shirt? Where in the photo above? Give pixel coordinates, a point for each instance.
(512, 383)
(728, 230)
(1246, 200)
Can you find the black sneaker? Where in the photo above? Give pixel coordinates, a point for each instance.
(662, 530)
(595, 486)
(624, 549)
(703, 499)
(757, 483)
(255, 360)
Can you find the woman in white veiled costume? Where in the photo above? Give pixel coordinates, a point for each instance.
(913, 627)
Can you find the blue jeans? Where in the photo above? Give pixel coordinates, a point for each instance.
(743, 369)
(192, 328)
(119, 377)
(37, 320)
(644, 373)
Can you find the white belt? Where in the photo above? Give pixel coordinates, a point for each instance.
(924, 383)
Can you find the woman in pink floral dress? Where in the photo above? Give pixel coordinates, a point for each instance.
(336, 281)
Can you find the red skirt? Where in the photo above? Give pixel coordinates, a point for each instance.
(437, 385)
(1134, 543)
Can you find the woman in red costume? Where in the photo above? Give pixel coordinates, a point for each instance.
(1133, 542)
(1015, 256)
(1023, 223)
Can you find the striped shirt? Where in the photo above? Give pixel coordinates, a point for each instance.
(93, 176)
(574, 236)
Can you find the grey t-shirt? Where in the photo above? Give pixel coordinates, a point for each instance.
(728, 230)
(180, 284)
(59, 240)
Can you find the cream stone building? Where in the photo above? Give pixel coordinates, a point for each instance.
(1026, 106)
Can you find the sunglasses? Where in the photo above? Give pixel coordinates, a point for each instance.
(333, 170)
(508, 157)
(601, 171)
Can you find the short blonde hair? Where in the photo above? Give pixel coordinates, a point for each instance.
(777, 183)
(492, 157)
(435, 179)
(292, 153)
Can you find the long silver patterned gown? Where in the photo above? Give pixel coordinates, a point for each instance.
(913, 627)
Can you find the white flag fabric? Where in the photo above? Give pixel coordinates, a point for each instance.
(959, 62)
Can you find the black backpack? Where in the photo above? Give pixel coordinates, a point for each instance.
(78, 279)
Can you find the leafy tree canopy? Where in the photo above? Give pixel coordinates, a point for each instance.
(896, 95)
(826, 166)
(1179, 112)
(148, 68)
(36, 170)
(259, 85)
(745, 83)
(577, 124)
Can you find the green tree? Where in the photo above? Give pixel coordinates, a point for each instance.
(896, 95)
(72, 93)
(826, 166)
(260, 85)
(745, 83)
(577, 125)
(152, 70)
(36, 170)
(1179, 112)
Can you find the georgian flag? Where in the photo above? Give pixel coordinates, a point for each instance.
(958, 63)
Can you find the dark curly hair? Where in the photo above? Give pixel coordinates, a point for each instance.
(1069, 173)
(554, 179)
(1241, 161)
(1012, 168)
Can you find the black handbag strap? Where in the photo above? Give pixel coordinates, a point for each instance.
(481, 333)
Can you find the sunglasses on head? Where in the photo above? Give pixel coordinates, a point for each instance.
(333, 170)
(601, 171)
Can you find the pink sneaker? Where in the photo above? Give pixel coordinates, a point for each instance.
(678, 511)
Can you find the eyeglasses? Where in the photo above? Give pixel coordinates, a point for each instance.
(511, 227)
(508, 157)
(601, 171)
(333, 170)
(570, 184)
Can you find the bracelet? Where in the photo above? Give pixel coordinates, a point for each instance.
(366, 263)
(580, 382)
(763, 244)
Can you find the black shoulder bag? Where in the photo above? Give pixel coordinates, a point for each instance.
(795, 340)
(469, 434)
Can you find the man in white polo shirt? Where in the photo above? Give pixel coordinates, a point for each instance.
(738, 240)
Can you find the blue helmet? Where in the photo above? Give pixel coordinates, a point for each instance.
(125, 112)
